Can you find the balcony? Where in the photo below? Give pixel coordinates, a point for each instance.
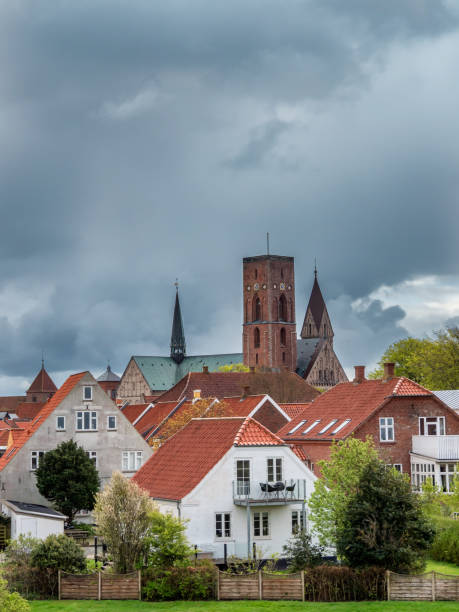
(259, 493)
(442, 448)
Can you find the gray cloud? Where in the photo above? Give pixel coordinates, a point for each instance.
(144, 141)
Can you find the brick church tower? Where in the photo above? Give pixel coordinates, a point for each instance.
(269, 329)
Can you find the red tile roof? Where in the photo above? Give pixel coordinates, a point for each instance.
(355, 402)
(42, 383)
(299, 452)
(241, 406)
(47, 409)
(294, 410)
(133, 411)
(29, 410)
(9, 403)
(153, 418)
(182, 462)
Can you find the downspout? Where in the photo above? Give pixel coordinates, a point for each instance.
(179, 510)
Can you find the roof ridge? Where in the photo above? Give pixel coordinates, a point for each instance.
(251, 421)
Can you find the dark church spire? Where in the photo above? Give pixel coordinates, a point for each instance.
(178, 346)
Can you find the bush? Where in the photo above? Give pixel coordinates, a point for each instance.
(301, 553)
(11, 602)
(339, 583)
(166, 544)
(58, 552)
(18, 572)
(445, 546)
(188, 583)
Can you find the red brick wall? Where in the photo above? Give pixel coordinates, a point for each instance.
(270, 417)
(269, 277)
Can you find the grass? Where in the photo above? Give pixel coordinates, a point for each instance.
(242, 606)
(442, 567)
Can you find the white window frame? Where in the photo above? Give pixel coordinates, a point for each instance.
(93, 420)
(243, 485)
(35, 456)
(111, 416)
(60, 416)
(298, 521)
(277, 467)
(261, 516)
(222, 516)
(131, 460)
(92, 454)
(311, 426)
(300, 424)
(327, 427)
(386, 427)
(87, 399)
(397, 466)
(440, 425)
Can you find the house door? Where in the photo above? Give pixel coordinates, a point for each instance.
(243, 476)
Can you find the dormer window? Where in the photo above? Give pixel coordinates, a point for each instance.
(87, 394)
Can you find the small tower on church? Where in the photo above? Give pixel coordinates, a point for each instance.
(316, 321)
(42, 388)
(269, 329)
(178, 346)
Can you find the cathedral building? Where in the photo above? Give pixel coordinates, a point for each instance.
(269, 330)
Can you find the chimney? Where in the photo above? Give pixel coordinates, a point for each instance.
(246, 391)
(252, 369)
(205, 369)
(389, 371)
(196, 394)
(359, 374)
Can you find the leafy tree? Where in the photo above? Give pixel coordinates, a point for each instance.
(58, 552)
(166, 543)
(234, 367)
(432, 362)
(340, 479)
(123, 515)
(383, 524)
(68, 478)
(11, 602)
(300, 552)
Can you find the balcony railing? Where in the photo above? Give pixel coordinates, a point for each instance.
(270, 493)
(436, 447)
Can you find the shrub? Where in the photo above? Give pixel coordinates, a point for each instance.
(300, 552)
(339, 583)
(166, 544)
(11, 602)
(18, 572)
(189, 583)
(445, 546)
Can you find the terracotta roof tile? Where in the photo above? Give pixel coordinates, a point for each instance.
(133, 411)
(294, 410)
(42, 383)
(9, 403)
(29, 410)
(241, 406)
(349, 402)
(47, 409)
(154, 417)
(182, 462)
(299, 452)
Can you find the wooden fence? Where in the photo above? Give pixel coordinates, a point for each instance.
(100, 585)
(432, 586)
(260, 585)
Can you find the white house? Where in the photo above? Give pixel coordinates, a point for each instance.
(236, 483)
(32, 520)
(82, 411)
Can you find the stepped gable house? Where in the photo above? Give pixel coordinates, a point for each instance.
(269, 330)
(146, 377)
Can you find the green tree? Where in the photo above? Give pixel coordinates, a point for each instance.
(234, 367)
(383, 524)
(340, 479)
(301, 553)
(58, 552)
(166, 543)
(11, 602)
(123, 515)
(432, 362)
(68, 478)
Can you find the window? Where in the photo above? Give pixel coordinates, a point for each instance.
(283, 336)
(260, 524)
(113, 394)
(308, 429)
(310, 329)
(86, 420)
(386, 429)
(132, 460)
(340, 426)
(297, 521)
(282, 308)
(243, 476)
(93, 456)
(256, 358)
(327, 427)
(60, 423)
(35, 458)
(256, 309)
(223, 525)
(256, 338)
(396, 466)
(432, 426)
(87, 394)
(420, 472)
(300, 424)
(274, 469)
(111, 421)
(256, 273)
(283, 356)
(447, 475)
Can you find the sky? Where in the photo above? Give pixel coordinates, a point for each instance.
(143, 141)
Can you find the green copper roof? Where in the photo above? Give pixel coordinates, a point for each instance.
(162, 373)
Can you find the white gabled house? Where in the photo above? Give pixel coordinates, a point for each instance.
(33, 520)
(82, 411)
(234, 481)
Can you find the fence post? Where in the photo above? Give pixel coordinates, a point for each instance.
(302, 585)
(99, 590)
(58, 584)
(434, 586)
(260, 585)
(218, 584)
(388, 584)
(140, 585)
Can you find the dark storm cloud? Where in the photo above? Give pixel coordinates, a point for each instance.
(145, 141)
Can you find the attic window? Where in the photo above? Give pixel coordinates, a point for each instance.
(308, 429)
(300, 424)
(87, 394)
(328, 426)
(340, 427)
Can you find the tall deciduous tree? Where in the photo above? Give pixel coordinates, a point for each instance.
(383, 524)
(432, 362)
(68, 478)
(340, 479)
(122, 513)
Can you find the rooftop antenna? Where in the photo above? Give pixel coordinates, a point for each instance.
(176, 284)
(267, 241)
(42, 359)
(315, 268)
